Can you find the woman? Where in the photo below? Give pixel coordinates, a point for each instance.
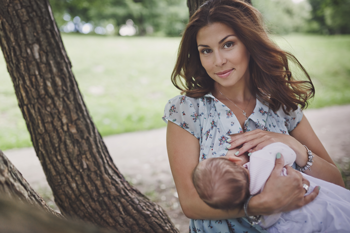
(239, 93)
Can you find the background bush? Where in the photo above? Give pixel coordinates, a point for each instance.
(151, 17)
(169, 17)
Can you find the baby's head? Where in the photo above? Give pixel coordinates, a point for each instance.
(221, 183)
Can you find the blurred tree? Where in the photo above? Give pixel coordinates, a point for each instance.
(330, 16)
(281, 16)
(144, 13)
(317, 22)
(194, 4)
(284, 16)
(174, 17)
(167, 16)
(85, 9)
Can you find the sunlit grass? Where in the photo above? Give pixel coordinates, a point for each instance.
(125, 82)
(327, 59)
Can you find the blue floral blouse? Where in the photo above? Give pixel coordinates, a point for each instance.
(211, 122)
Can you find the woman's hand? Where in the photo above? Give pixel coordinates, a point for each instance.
(257, 139)
(281, 193)
(323, 167)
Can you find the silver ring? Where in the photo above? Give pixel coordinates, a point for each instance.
(306, 187)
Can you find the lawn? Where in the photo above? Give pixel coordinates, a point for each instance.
(125, 82)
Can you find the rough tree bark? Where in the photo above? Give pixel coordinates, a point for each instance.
(14, 186)
(84, 180)
(193, 5)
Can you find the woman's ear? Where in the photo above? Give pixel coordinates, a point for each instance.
(234, 159)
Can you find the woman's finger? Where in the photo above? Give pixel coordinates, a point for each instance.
(305, 181)
(256, 143)
(249, 133)
(242, 136)
(239, 140)
(309, 198)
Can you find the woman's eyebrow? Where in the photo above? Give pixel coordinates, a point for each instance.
(225, 38)
(222, 40)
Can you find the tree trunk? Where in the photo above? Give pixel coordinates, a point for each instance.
(193, 5)
(23, 218)
(13, 185)
(84, 180)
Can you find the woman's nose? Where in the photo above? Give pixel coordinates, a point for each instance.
(220, 60)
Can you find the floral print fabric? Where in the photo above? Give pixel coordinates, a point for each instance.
(211, 122)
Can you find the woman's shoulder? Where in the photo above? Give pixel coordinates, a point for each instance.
(186, 100)
(185, 112)
(292, 118)
(187, 103)
(289, 114)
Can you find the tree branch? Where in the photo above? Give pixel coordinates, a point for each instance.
(13, 185)
(23, 218)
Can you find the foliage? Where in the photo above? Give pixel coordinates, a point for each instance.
(330, 16)
(175, 17)
(284, 16)
(83, 8)
(126, 81)
(167, 16)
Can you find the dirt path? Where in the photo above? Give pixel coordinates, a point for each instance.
(142, 158)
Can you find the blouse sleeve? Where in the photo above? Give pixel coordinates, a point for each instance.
(183, 111)
(293, 119)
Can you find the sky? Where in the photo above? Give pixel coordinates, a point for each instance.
(297, 1)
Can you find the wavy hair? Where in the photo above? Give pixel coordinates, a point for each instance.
(270, 76)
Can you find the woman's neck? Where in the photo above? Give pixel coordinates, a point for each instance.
(237, 93)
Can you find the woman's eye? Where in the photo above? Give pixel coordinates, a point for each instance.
(206, 51)
(228, 45)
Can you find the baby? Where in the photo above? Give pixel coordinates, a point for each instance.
(223, 183)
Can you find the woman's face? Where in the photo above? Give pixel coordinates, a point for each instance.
(223, 56)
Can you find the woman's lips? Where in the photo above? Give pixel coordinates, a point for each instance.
(224, 73)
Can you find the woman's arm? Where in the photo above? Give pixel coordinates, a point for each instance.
(282, 193)
(323, 167)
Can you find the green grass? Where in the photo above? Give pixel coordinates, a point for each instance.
(327, 60)
(125, 82)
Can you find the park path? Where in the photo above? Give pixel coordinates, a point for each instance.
(142, 158)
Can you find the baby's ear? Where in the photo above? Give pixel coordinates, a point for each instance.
(234, 159)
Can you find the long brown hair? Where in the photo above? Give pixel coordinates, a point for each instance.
(270, 76)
